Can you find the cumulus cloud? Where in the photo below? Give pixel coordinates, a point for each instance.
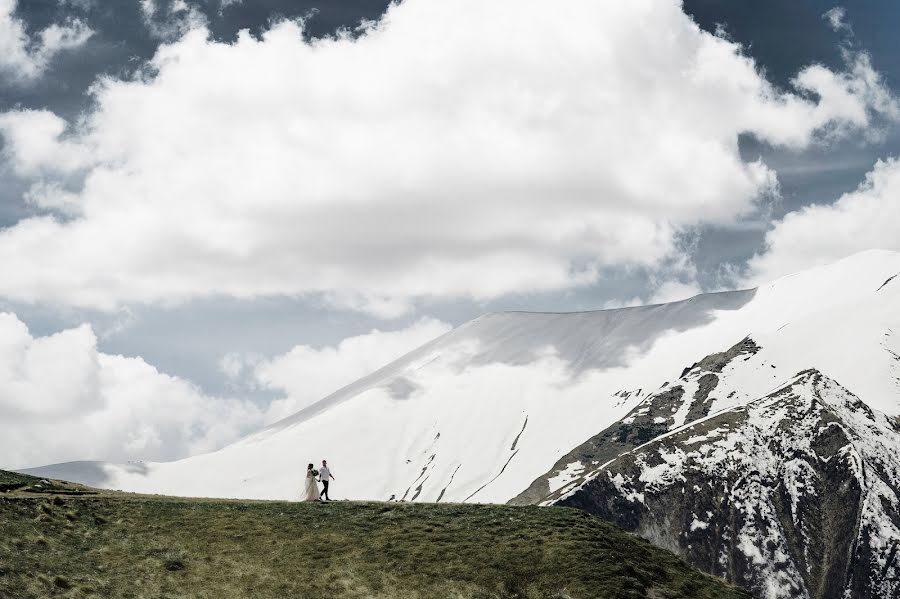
(62, 399)
(867, 218)
(453, 149)
(24, 57)
(306, 374)
(36, 144)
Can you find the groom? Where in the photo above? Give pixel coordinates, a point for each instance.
(325, 477)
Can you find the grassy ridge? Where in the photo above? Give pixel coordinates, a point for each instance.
(54, 543)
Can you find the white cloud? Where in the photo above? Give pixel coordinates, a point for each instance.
(24, 57)
(61, 399)
(673, 291)
(867, 218)
(663, 291)
(306, 374)
(170, 19)
(37, 144)
(465, 149)
(232, 365)
(836, 18)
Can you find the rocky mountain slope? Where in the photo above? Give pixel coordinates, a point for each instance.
(792, 495)
(790, 491)
(687, 400)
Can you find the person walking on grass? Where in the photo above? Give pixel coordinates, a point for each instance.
(325, 477)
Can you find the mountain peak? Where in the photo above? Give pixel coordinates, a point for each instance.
(748, 492)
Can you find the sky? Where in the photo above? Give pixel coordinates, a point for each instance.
(215, 212)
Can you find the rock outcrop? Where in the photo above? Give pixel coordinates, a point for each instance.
(791, 495)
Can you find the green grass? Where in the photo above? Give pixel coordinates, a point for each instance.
(12, 481)
(55, 544)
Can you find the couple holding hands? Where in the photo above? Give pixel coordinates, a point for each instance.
(311, 490)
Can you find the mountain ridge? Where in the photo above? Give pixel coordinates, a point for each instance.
(792, 495)
(596, 366)
(529, 407)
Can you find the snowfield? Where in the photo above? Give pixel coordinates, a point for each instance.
(480, 413)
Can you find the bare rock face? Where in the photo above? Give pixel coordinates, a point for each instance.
(791, 495)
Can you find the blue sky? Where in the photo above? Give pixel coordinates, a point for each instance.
(454, 160)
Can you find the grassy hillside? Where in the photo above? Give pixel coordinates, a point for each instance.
(62, 540)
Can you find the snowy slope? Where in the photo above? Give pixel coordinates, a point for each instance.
(485, 410)
(791, 495)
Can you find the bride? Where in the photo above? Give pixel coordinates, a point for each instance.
(311, 490)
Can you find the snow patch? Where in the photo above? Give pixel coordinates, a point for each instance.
(565, 476)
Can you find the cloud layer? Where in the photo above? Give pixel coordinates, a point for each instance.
(867, 218)
(61, 399)
(306, 374)
(24, 57)
(454, 149)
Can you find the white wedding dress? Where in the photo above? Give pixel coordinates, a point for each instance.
(311, 490)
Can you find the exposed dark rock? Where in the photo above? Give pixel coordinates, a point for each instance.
(649, 419)
(888, 281)
(635, 429)
(701, 404)
(792, 495)
(716, 362)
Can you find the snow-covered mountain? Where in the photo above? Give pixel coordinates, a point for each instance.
(724, 401)
(474, 415)
(481, 412)
(794, 494)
